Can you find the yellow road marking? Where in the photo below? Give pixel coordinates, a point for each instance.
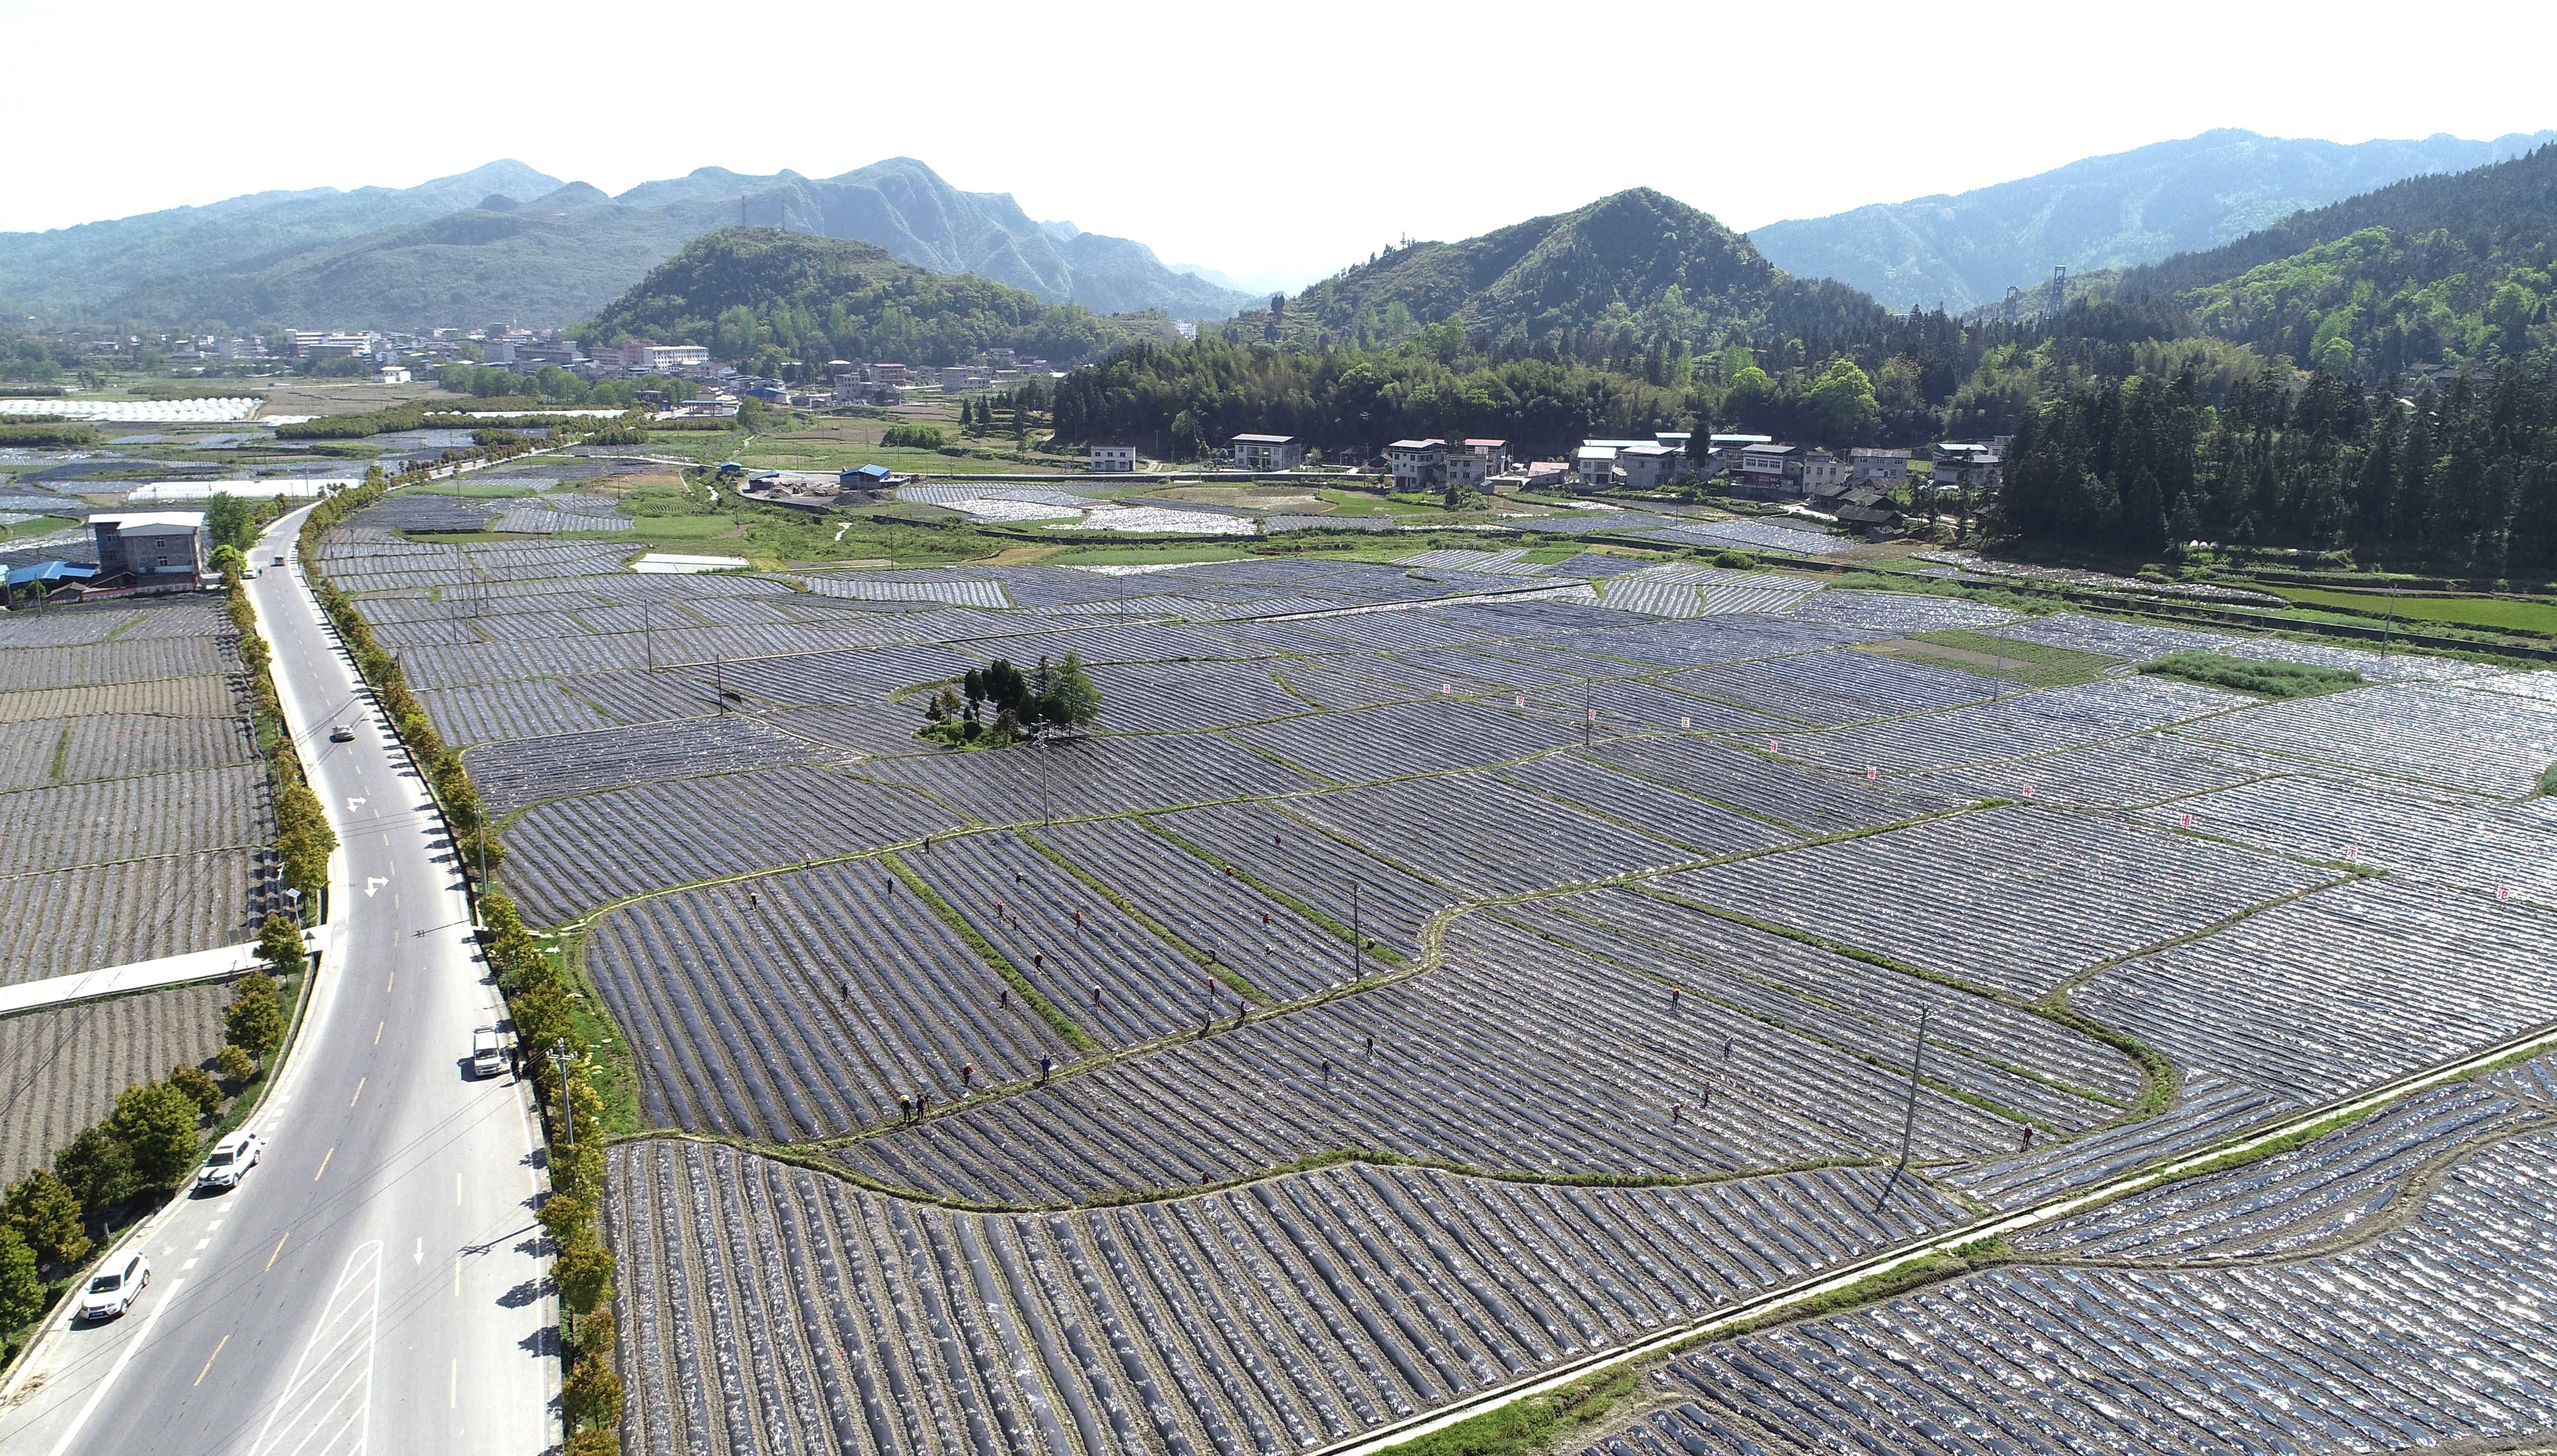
(279, 1251)
(394, 980)
(209, 1359)
(324, 1163)
(378, 1031)
(359, 1091)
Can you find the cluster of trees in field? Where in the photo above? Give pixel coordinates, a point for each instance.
(549, 385)
(2463, 479)
(1061, 696)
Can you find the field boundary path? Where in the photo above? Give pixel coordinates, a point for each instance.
(220, 963)
(379, 1146)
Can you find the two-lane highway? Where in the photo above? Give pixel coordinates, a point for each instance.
(377, 1282)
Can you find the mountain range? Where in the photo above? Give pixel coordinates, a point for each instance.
(2128, 209)
(508, 242)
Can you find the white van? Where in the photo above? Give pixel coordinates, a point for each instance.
(230, 1161)
(117, 1284)
(488, 1052)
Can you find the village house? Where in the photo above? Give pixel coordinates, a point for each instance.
(1768, 470)
(1823, 469)
(1114, 457)
(1888, 469)
(1267, 452)
(1594, 467)
(1647, 466)
(1417, 465)
(1724, 450)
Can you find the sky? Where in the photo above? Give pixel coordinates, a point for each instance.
(1273, 142)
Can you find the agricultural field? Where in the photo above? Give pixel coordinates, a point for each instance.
(133, 808)
(1279, 1315)
(60, 1069)
(1348, 1023)
(2373, 1290)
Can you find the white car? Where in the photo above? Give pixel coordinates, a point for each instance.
(230, 1161)
(488, 1052)
(117, 1284)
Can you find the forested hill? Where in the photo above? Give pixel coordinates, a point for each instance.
(1637, 264)
(2101, 212)
(766, 293)
(2453, 269)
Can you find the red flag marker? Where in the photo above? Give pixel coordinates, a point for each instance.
(1686, 721)
(1771, 746)
(1446, 688)
(2028, 791)
(1871, 774)
(1593, 715)
(1522, 700)
(2188, 821)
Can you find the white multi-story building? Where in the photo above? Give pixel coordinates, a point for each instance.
(1417, 465)
(1114, 457)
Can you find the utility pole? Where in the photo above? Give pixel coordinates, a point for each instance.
(1909, 1120)
(719, 682)
(1358, 964)
(567, 1113)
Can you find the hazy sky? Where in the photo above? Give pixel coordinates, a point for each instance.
(1252, 138)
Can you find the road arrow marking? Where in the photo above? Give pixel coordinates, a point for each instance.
(355, 801)
(374, 884)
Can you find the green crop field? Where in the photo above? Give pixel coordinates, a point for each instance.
(2496, 613)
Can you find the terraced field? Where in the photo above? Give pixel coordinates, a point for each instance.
(1139, 1149)
(1269, 1318)
(2016, 899)
(2426, 1333)
(1543, 1045)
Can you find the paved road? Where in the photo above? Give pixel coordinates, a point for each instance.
(375, 1284)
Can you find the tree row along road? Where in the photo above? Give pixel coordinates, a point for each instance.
(379, 1277)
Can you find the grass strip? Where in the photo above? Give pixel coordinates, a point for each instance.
(1048, 1012)
(1560, 1418)
(2263, 679)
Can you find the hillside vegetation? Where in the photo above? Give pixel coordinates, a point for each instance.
(2101, 212)
(2453, 269)
(762, 294)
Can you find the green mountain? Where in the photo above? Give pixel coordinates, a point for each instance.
(468, 250)
(2455, 269)
(69, 269)
(1635, 261)
(2132, 208)
(749, 292)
